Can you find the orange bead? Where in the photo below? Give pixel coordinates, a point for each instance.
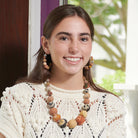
(80, 120)
(86, 96)
(56, 117)
(86, 101)
(53, 111)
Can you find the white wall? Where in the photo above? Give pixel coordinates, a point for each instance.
(34, 31)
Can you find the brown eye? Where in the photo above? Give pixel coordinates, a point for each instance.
(84, 39)
(63, 38)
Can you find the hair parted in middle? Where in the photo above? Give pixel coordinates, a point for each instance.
(39, 74)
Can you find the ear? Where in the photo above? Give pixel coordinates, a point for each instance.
(45, 44)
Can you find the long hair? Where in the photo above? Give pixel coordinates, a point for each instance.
(39, 74)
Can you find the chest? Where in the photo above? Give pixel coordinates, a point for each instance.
(38, 122)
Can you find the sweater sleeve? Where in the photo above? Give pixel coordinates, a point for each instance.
(115, 114)
(10, 115)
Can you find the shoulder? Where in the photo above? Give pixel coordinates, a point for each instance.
(110, 102)
(18, 89)
(114, 102)
(114, 108)
(21, 91)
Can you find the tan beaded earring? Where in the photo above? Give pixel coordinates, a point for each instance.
(90, 63)
(45, 62)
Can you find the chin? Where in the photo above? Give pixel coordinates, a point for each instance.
(73, 71)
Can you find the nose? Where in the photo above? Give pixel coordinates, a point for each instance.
(74, 47)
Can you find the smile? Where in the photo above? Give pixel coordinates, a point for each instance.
(73, 59)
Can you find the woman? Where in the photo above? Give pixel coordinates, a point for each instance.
(59, 98)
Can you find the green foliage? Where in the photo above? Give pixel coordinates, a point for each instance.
(109, 80)
(107, 16)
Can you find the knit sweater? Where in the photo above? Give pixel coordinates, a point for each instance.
(24, 113)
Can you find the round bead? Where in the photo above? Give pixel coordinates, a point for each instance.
(86, 107)
(56, 117)
(62, 123)
(46, 66)
(72, 123)
(51, 105)
(80, 120)
(50, 99)
(83, 113)
(53, 111)
(86, 101)
(86, 96)
(44, 60)
(85, 91)
(49, 93)
(44, 63)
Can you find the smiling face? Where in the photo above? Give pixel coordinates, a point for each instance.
(69, 46)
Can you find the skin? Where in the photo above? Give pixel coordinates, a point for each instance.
(2, 136)
(69, 40)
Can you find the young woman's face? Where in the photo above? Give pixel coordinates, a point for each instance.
(70, 46)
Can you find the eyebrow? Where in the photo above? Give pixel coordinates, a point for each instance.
(81, 34)
(69, 34)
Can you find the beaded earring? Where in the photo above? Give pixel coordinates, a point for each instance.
(90, 63)
(45, 62)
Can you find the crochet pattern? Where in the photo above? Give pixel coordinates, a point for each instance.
(24, 114)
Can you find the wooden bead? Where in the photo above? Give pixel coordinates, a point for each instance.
(85, 91)
(80, 120)
(49, 93)
(62, 123)
(83, 113)
(86, 107)
(44, 60)
(50, 99)
(86, 101)
(53, 111)
(86, 96)
(44, 63)
(56, 117)
(51, 105)
(72, 123)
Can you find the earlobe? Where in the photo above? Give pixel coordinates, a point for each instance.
(45, 44)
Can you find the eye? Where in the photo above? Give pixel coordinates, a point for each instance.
(84, 39)
(63, 38)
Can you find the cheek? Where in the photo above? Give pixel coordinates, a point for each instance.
(57, 51)
(87, 51)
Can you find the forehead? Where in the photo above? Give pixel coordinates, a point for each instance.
(72, 24)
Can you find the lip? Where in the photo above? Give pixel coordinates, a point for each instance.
(72, 60)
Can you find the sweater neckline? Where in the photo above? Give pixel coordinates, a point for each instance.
(61, 90)
(63, 93)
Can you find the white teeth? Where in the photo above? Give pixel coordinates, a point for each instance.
(73, 59)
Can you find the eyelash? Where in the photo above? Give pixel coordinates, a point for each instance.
(64, 38)
(84, 39)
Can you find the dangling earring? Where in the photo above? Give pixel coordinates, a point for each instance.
(90, 63)
(45, 62)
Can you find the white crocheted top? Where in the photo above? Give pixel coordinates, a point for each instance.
(24, 113)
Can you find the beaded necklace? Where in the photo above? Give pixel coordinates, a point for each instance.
(80, 119)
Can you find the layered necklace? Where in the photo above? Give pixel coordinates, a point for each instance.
(56, 117)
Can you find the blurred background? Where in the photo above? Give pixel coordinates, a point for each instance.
(114, 50)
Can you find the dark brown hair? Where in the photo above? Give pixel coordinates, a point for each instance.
(39, 74)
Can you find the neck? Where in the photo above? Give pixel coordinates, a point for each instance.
(66, 81)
